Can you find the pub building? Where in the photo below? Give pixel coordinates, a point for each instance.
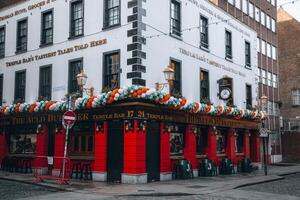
(130, 140)
(124, 131)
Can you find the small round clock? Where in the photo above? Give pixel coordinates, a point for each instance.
(225, 93)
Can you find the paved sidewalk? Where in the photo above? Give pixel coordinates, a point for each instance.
(199, 185)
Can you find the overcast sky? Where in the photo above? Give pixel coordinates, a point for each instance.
(291, 8)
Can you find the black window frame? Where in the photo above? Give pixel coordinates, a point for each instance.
(20, 90)
(106, 17)
(105, 72)
(249, 102)
(203, 86)
(44, 30)
(2, 41)
(204, 35)
(175, 30)
(228, 44)
(247, 54)
(22, 47)
(72, 73)
(45, 89)
(176, 86)
(1, 88)
(72, 31)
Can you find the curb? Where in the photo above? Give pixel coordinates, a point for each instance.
(259, 182)
(34, 183)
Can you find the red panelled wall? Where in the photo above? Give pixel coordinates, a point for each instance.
(230, 148)
(190, 147)
(41, 148)
(211, 151)
(134, 150)
(100, 150)
(165, 161)
(59, 148)
(3, 145)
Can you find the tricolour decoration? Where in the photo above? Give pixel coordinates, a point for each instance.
(135, 92)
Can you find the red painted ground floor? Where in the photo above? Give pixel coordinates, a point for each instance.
(129, 142)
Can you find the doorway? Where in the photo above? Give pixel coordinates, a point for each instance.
(115, 151)
(153, 151)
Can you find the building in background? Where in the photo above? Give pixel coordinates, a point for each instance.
(289, 62)
(261, 15)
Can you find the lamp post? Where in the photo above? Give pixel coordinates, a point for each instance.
(81, 81)
(169, 77)
(264, 132)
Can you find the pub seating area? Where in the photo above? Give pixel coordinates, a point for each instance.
(183, 170)
(81, 171)
(207, 168)
(246, 166)
(14, 164)
(226, 167)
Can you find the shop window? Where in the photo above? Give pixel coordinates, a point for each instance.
(20, 84)
(75, 67)
(77, 20)
(112, 13)
(221, 141)
(204, 85)
(82, 139)
(175, 18)
(1, 89)
(204, 32)
(2, 42)
(176, 141)
(22, 29)
(45, 82)
(47, 28)
(111, 71)
(201, 141)
(175, 87)
(239, 142)
(228, 44)
(23, 141)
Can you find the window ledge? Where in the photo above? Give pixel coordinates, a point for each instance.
(228, 59)
(20, 51)
(108, 28)
(46, 45)
(75, 37)
(176, 36)
(248, 67)
(204, 48)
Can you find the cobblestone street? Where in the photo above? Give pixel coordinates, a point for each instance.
(286, 189)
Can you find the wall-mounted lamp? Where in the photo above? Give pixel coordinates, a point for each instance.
(100, 127)
(129, 126)
(39, 128)
(58, 129)
(215, 130)
(194, 130)
(168, 128)
(142, 125)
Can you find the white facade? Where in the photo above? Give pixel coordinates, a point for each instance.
(159, 48)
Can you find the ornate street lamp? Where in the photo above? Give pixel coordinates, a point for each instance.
(169, 77)
(81, 81)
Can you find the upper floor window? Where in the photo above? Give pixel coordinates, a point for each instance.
(263, 18)
(228, 44)
(20, 85)
(111, 71)
(22, 29)
(296, 97)
(275, 81)
(1, 89)
(257, 14)
(204, 85)
(47, 28)
(204, 32)
(75, 67)
(112, 13)
(77, 20)
(2, 42)
(45, 82)
(247, 54)
(248, 96)
(175, 18)
(270, 79)
(175, 88)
